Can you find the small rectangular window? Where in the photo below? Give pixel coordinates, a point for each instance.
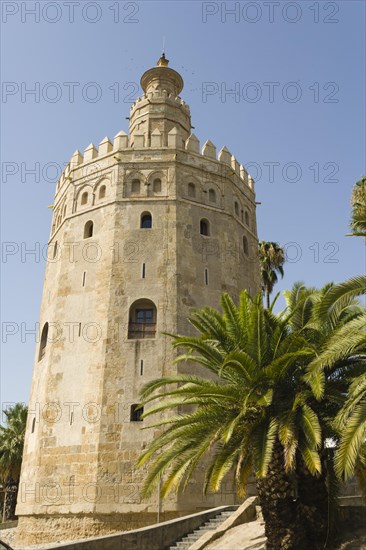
(136, 413)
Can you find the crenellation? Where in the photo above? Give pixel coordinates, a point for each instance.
(76, 159)
(174, 138)
(105, 147)
(243, 174)
(139, 140)
(90, 153)
(120, 141)
(156, 138)
(209, 150)
(235, 165)
(192, 144)
(225, 156)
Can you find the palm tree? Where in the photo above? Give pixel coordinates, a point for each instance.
(358, 221)
(350, 456)
(330, 319)
(279, 381)
(271, 260)
(11, 453)
(253, 413)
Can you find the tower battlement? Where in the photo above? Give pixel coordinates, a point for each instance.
(160, 96)
(122, 144)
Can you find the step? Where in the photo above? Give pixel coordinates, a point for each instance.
(211, 525)
(215, 521)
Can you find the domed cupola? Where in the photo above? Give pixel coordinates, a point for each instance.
(160, 109)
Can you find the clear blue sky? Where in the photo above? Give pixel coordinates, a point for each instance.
(313, 131)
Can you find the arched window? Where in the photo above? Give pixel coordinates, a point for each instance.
(191, 190)
(212, 195)
(236, 208)
(157, 185)
(88, 229)
(102, 192)
(146, 220)
(54, 250)
(135, 187)
(64, 211)
(136, 412)
(84, 198)
(142, 319)
(205, 227)
(43, 343)
(245, 246)
(246, 217)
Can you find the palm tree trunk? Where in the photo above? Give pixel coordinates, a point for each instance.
(314, 504)
(10, 500)
(283, 528)
(267, 298)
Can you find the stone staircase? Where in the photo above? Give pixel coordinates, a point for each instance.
(186, 542)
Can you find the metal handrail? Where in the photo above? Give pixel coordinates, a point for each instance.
(141, 330)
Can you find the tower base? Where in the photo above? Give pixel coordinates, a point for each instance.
(57, 528)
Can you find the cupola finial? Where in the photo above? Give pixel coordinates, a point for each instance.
(163, 61)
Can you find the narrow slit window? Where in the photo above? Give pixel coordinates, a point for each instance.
(71, 418)
(79, 329)
(236, 208)
(206, 276)
(33, 425)
(245, 246)
(141, 367)
(143, 271)
(43, 344)
(84, 278)
(54, 250)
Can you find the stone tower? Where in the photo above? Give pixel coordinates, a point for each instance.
(144, 229)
